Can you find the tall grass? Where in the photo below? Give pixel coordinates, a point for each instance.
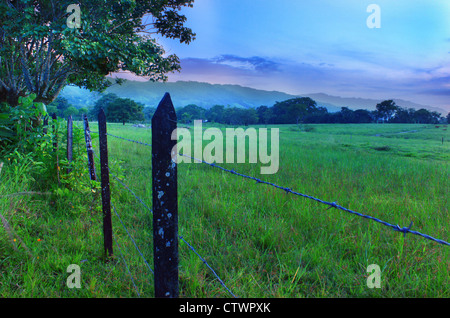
(261, 241)
(266, 243)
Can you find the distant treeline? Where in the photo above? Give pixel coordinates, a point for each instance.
(291, 111)
(305, 110)
(118, 110)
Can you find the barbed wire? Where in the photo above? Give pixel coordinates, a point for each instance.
(397, 228)
(108, 134)
(129, 235)
(131, 191)
(206, 263)
(180, 237)
(123, 258)
(404, 230)
(126, 265)
(115, 211)
(90, 131)
(131, 140)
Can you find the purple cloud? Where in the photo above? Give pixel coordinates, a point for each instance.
(420, 85)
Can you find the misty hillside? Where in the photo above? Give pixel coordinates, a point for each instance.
(207, 95)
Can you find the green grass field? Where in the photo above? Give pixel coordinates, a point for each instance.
(261, 241)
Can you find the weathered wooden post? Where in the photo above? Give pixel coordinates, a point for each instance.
(55, 144)
(90, 150)
(45, 125)
(69, 141)
(106, 192)
(165, 201)
(55, 133)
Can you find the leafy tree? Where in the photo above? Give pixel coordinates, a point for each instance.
(436, 117)
(62, 104)
(216, 114)
(318, 115)
(293, 111)
(52, 109)
(240, 116)
(448, 118)
(40, 54)
(346, 115)
(423, 116)
(186, 118)
(362, 116)
(82, 111)
(122, 110)
(71, 111)
(103, 102)
(230, 117)
(386, 109)
(193, 112)
(249, 116)
(404, 115)
(264, 114)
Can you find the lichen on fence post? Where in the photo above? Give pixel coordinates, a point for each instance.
(69, 141)
(90, 150)
(165, 202)
(106, 192)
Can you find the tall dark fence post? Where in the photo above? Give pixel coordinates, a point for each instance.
(165, 201)
(90, 150)
(45, 124)
(106, 192)
(55, 133)
(55, 144)
(69, 141)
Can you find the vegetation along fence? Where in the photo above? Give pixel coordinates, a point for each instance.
(165, 201)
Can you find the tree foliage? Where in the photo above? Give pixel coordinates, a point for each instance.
(61, 104)
(40, 54)
(117, 110)
(122, 110)
(191, 112)
(386, 109)
(103, 102)
(20, 126)
(292, 111)
(305, 110)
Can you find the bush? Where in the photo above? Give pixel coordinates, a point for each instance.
(26, 142)
(21, 126)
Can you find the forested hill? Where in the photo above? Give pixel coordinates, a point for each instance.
(204, 95)
(207, 95)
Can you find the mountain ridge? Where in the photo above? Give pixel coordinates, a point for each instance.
(207, 95)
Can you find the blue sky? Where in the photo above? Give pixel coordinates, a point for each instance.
(301, 47)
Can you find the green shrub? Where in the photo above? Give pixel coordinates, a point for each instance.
(21, 126)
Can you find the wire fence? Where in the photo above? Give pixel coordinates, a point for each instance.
(397, 228)
(137, 142)
(181, 238)
(127, 267)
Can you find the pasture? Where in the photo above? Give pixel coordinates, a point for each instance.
(261, 241)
